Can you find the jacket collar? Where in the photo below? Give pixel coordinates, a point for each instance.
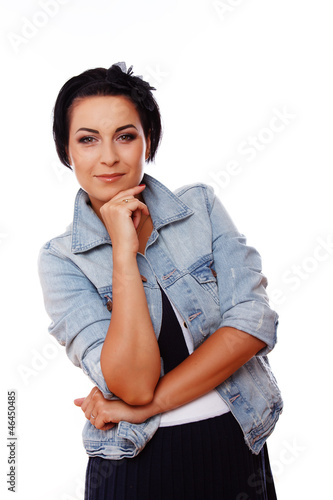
(88, 231)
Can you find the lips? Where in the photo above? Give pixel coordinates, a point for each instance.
(109, 177)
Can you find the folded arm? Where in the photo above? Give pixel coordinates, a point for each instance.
(130, 357)
(208, 366)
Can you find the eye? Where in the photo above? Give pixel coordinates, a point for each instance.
(87, 139)
(126, 137)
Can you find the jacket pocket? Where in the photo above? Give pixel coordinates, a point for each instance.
(205, 275)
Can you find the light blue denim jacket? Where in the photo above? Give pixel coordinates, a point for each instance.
(211, 276)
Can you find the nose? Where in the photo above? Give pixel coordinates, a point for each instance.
(109, 154)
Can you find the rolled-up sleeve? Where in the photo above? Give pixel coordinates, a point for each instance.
(242, 286)
(79, 319)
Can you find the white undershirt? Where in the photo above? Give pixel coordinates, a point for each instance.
(207, 406)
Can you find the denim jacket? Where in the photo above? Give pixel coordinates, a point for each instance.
(207, 271)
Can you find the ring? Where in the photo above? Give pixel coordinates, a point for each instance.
(126, 201)
(92, 416)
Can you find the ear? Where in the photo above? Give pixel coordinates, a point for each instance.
(147, 154)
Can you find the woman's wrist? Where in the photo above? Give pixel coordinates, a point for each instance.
(151, 409)
(123, 257)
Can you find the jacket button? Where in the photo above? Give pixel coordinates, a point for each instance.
(108, 303)
(214, 273)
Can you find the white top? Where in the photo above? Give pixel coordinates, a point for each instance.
(208, 406)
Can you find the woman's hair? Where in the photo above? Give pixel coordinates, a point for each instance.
(102, 82)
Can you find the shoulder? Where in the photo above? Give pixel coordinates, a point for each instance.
(201, 197)
(62, 241)
(55, 251)
(196, 194)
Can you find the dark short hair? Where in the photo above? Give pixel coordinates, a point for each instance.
(104, 82)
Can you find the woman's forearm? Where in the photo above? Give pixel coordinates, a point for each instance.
(212, 363)
(130, 358)
(207, 367)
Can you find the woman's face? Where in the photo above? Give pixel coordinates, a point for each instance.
(107, 146)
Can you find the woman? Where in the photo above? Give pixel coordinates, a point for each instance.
(158, 299)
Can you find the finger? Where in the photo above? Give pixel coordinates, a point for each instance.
(90, 412)
(134, 204)
(92, 419)
(108, 426)
(129, 192)
(99, 422)
(92, 394)
(96, 393)
(79, 401)
(129, 204)
(136, 216)
(102, 417)
(92, 408)
(124, 199)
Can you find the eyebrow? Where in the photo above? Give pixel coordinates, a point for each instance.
(93, 131)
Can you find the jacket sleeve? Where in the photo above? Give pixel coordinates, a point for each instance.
(242, 286)
(79, 319)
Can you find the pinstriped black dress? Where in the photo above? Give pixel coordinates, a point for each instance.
(205, 460)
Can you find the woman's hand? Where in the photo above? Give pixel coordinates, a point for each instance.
(121, 216)
(105, 414)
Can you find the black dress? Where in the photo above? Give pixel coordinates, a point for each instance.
(205, 460)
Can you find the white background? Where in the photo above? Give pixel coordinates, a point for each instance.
(222, 70)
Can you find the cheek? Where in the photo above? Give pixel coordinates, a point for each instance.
(138, 153)
(81, 160)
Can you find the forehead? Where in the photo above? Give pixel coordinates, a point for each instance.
(106, 111)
